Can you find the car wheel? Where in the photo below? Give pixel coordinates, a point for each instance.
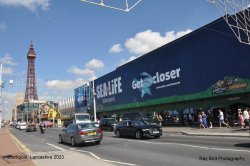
(118, 134)
(138, 134)
(157, 136)
(60, 139)
(97, 142)
(73, 143)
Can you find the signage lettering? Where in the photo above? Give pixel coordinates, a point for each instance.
(110, 88)
(158, 78)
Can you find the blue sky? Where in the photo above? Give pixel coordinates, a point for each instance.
(70, 36)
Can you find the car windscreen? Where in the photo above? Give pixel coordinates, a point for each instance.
(139, 123)
(82, 117)
(112, 121)
(144, 116)
(86, 126)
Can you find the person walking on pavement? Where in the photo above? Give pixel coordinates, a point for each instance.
(159, 119)
(221, 118)
(204, 119)
(209, 118)
(200, 120)
(241, 119)
(246, 117)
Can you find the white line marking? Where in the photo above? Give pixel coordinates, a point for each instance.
(117, 162)
(92, 154)
(56, 147)
(194, 146)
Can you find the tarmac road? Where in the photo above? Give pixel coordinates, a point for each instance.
(170, 149)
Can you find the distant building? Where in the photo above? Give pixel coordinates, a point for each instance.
(67, 108)
(19, 100)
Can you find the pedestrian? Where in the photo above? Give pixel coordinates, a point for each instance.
(221, 118)
(249, 118)
(246, 117)
(42, 129)
(159, 119)
(209, 118)
(204, 119)
(200, 120)
(241, 119)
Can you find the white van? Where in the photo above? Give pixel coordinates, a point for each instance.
(81, 118)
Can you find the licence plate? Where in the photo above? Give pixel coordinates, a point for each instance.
(156, 132)
(92, 133)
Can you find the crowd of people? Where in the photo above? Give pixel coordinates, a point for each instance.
(205, 120)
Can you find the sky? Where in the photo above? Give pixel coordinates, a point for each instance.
(71, 37)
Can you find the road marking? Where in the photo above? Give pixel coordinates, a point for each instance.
(24, 148)
(194, 146)
(57, 147)
(111, 161)
(92, 154)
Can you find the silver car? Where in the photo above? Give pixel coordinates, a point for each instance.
(81, 133)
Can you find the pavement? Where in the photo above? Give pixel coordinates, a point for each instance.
(11, 153)
(14, 153)
(215, 131)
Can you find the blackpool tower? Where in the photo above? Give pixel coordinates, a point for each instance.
(31, 90)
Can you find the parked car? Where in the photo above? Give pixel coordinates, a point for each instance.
(137, 129)
(23, 126)
(17, 126)
(2, 124)
(81, 133)
(108, 124)
(31, 127)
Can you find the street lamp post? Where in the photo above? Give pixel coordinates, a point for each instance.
(93, 93)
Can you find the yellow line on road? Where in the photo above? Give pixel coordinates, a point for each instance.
(23, 147)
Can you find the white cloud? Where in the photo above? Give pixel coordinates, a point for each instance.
(8, 60)
(124, 61)
(60, 85)
(89, 70)
(79, 82)
(7, 70)
(2, 26)
(29, 4)
(95, 64)
(81, 72)
(147, 41)
(116, 48)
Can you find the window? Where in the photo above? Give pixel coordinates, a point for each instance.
(112, 121)
(124, 123)
(139, 123)
(103, 121)
(86, 125)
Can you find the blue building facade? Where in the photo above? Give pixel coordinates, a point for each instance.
(205, 69)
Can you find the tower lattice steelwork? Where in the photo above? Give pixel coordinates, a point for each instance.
(31, 90)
